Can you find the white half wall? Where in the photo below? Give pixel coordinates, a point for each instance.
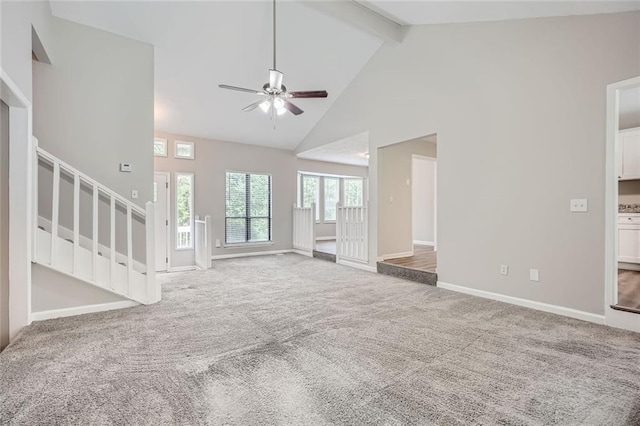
(519, 108)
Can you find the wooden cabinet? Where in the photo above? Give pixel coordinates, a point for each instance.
(629, 238)
(629, 151)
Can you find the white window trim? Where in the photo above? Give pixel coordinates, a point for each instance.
(247, 244)
(192, 221)
(166, 147)
(182, 157)
(320, 203)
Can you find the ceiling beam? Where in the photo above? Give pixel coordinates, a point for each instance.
(361, 15)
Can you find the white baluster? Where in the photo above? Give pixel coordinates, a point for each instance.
(76, 223)
(153, 293)
(112, 242)
(55, 211)
(129, 250)
(96, 194)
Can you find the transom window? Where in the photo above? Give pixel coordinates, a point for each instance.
(185, 150)
(248, 208)
(160, 147)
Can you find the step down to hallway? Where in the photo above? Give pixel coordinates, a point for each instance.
(324, 256)
(411, 274)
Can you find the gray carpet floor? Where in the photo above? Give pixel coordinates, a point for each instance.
(293, 340)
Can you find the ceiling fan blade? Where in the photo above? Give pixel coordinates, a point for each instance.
(291, 107)
(253, 106)
(309, 94)
(240, 89)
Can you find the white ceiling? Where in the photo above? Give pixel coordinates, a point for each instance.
(445, 12)
(199, 45)
(350, 150)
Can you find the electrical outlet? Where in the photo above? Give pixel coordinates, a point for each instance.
(391, 199)
(134, 194)
(217, 243)
(504, 270)
(534, 275)
(578, 205)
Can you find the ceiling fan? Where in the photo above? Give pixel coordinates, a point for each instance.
(274, 95)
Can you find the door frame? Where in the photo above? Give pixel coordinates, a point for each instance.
(21, 157)
(434, 160)
(613, 317)
(168, 239)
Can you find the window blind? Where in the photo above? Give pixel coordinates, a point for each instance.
(248, 208)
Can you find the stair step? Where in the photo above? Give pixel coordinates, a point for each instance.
(324, 256)
(417, 275)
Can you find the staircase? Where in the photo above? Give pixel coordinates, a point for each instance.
(98, 245)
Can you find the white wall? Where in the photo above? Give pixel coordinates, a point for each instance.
(519, 109)
(423, 199)
(212, 160)
(53, 290)
(4, 225)
(323, 167)
(93, 107)
(395, 194)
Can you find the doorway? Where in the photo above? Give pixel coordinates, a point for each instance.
(622, 263)
(161, 211)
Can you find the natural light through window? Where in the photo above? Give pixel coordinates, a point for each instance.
(327, 191)
(353, 192)
(160, 147)
(184, 211)
(248, 208)
(185, 150)
(311, 192)
(331, 198)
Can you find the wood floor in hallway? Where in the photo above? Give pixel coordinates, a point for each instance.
(424, 259)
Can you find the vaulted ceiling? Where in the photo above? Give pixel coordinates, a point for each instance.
(199, 45)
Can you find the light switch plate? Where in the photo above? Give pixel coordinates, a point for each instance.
(504, 270)
(578, 205)
(217, 243)
(534, 275)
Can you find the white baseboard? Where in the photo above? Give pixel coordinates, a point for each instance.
(257, 253)
(183, 268)
(629, 266)
(302, 252)
(325, 238)
(423, 243)
(79, 310)
(554, 309)
(358, 265)
(395, 256)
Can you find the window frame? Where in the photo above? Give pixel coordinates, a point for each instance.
(191, 156)
(324, 198)
(318, 195)
(247, 208)
(321, 201)
(166, 147)
(192, 216)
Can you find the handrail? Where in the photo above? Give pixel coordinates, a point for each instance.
(129, 286)
(92, 182)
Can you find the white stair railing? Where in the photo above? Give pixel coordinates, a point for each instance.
(203, 242)
(352, 233)
(304, 229)
(105, 267)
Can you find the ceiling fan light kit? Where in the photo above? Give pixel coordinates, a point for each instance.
(277, 98)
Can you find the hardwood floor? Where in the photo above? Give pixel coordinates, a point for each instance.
(424, 259)
(629, 289)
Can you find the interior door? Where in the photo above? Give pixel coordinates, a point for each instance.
(161, 204)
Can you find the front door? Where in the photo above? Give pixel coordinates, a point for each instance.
(161, 201)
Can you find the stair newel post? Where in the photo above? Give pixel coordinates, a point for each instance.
(208, 242)
(313, 227)
(55, 211)
(76, 222)
(153, 290)
(339, 230)
(112, 242)
(94, 234)
(129, 249)
(34, 195)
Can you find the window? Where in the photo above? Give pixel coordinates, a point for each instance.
(311, 192)
(248, 209)
(184, 211)
(331, 197)
(353, 191)
(185, 150)
(160, 147)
